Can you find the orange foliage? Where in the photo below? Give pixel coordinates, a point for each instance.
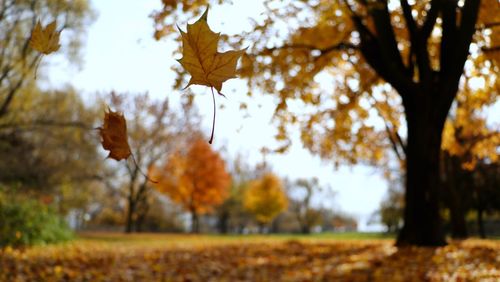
(196, 179)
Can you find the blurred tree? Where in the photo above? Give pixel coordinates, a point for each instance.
(344, 223)
(195, 177)
(468, 139)
(390, 212)
(265, 198)
(48, 147)
(391, 56)
(164, 215)
(301, 205)
(154, 130)
(18, 18)
(231, 215)
(486, 193)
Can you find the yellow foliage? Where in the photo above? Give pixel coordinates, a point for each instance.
(265, 198)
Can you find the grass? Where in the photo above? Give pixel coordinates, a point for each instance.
(173, 239)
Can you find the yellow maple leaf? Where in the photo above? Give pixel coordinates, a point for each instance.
(45, 40)
(202, 60)
(114, 135)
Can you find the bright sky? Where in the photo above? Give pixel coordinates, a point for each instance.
(121, 54)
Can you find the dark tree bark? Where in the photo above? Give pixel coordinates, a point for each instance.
(456, 182)
(305, 229)
(129, 223)
(422, 222)
(132, 201)
(223, 222)
(427, 94)
(480, 222)
(195, 222)
(458, 222)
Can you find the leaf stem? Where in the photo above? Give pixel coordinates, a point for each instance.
(213, 120)
(140, 170)
(38, 60)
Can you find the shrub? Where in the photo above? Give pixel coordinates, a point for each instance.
(29, 222)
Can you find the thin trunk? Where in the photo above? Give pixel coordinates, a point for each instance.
(223, 222)
(305, 229)
(261, 228)
(195, 222)
(456, 188)
(458, 223)
(480, 222)
(141, 217)
(129, 225)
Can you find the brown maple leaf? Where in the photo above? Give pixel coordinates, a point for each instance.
(114, 135)
(202, 60)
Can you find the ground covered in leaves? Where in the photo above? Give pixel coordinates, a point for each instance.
(111, 257)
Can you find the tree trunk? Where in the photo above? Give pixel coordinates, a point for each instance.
(141, 217)
(422, 221)
(223, 222)
(458, 223)
(454, 181)
(305, 229)
(480, 223)
(261, 227)
(195, 222)
(129, 225)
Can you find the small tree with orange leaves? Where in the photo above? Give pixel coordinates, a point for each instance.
(196, 179)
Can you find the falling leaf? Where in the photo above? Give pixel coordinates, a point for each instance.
(114, 135)
(45, 40)
(202, 60)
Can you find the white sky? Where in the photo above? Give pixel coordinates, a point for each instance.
(120, 54)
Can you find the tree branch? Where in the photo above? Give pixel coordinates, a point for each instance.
(490, 49)
(430, 20)
(387, 63)
(47, 123)
(336, 47)
(418, 47)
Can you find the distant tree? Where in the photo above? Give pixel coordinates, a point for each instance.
(307, 216)
(265, 198)
(231, 215)
(154, 130)
(391, 209)
(49, 148)
(17, 20)
(195, 178)
(468, 140)
(486, 193)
